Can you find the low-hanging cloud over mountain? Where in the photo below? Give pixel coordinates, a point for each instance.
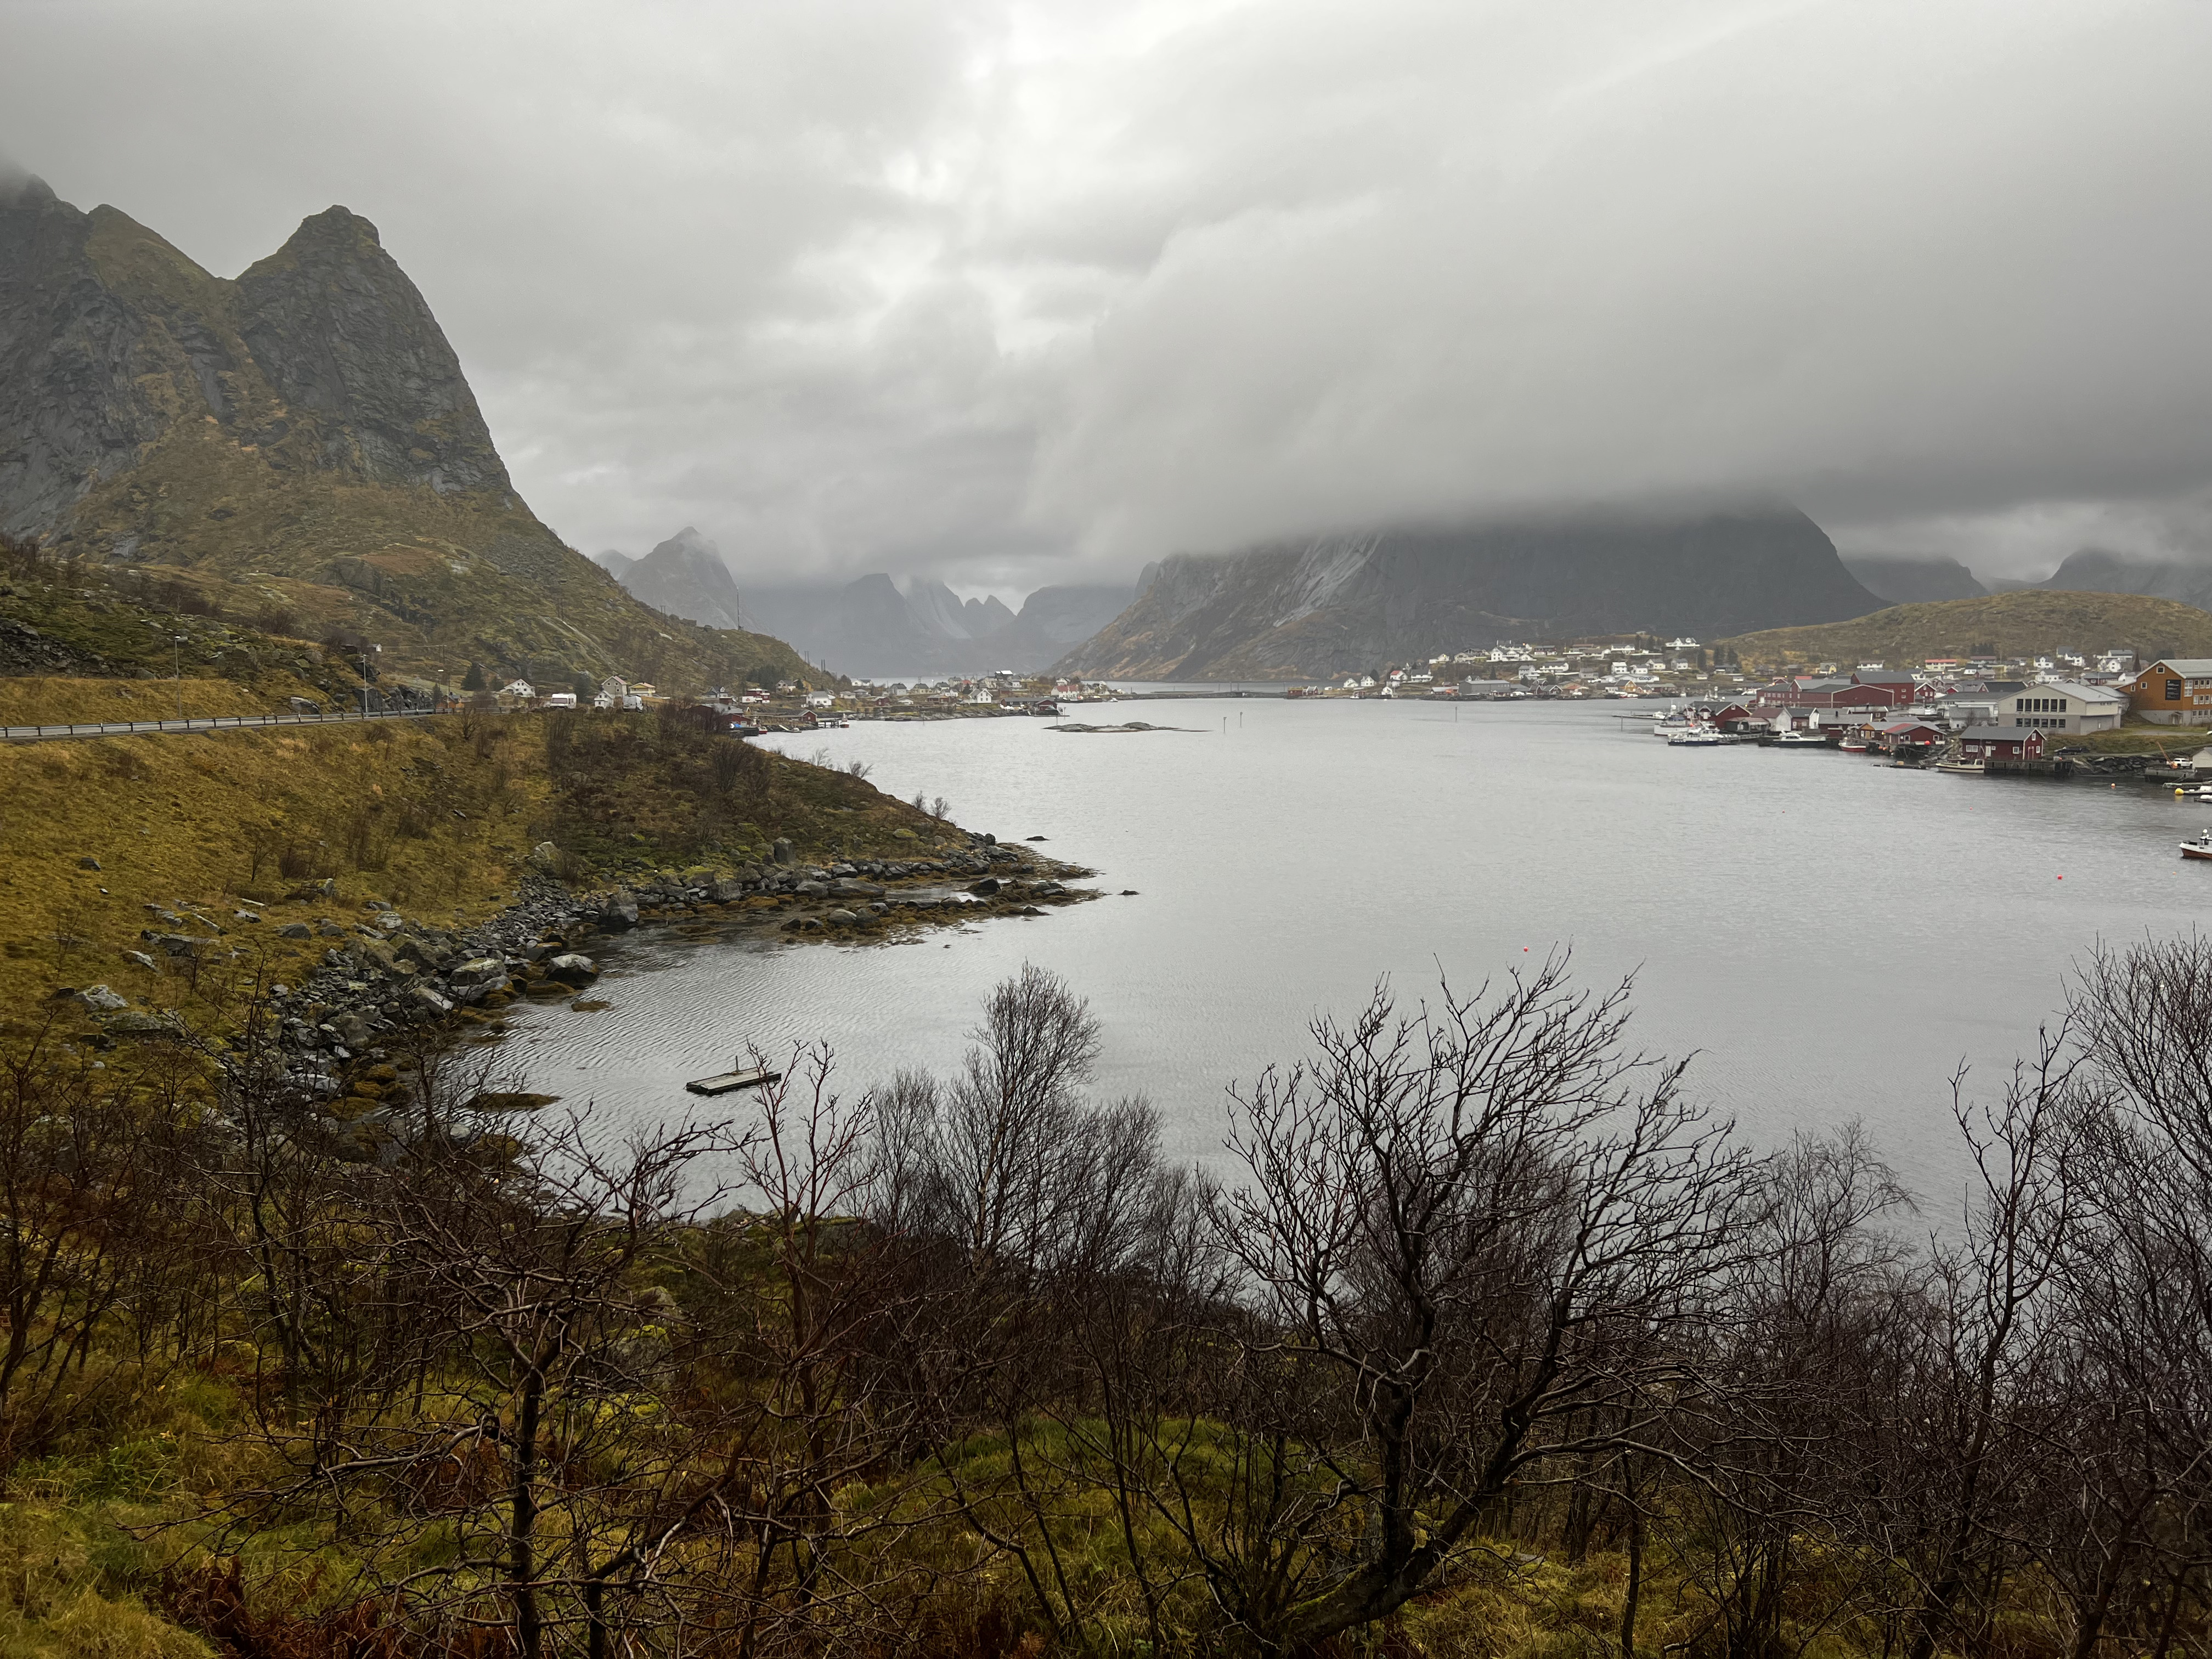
(1017, 294)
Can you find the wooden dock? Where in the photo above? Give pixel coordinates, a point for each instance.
(750, 1077)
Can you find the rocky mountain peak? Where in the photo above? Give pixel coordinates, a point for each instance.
(339, 330)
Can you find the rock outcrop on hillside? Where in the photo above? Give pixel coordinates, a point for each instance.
(305, 430)
(1337, 603)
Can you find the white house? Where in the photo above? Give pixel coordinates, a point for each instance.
(522, 689)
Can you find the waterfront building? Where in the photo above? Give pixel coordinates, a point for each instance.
(1988, 743)
(2059, 706)
(2172, 691)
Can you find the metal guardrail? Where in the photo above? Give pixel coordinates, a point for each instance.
(207, 723)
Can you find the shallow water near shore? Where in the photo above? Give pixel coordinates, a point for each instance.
(1832, 936)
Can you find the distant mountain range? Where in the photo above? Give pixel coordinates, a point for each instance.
(870, 627)
(1336, 604)
(2092, 570)
(302, 441)
(1904, 580)
(1910, 580)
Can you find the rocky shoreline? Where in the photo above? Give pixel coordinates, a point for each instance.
(391, 974)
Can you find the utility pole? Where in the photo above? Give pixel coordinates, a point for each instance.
(365, 650)
(177, 669)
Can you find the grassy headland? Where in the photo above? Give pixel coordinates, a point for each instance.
(433, 816)
(2002, 624)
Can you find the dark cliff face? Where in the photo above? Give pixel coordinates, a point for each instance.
(338, 330)
(1337, 604)
(72, 407)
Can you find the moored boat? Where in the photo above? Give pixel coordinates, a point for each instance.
(2199, 848)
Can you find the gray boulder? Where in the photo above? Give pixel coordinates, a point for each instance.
(572, 969)
(295, 930)
(785, 852)
(619, 913)
(140, 1025)
(425, 998)
(727, 891)
(99, 999)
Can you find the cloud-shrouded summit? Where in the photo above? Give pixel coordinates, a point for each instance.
(1011, 294)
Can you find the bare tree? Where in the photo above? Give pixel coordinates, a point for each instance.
(1486, 1235)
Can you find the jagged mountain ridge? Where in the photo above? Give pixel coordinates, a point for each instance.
(869, 626)
(1334, 604)
(304, 432)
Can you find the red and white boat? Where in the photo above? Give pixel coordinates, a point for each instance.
(2199, 848)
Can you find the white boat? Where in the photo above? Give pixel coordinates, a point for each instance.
(1698, 737)
(2199, 848)
(1965, 769)
(1808, 739)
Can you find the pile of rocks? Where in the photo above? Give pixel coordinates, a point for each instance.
(383, 971)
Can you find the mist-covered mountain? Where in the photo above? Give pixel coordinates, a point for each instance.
(684, 576)
(1336, 604)
(1905, 579)
(2092, 570)
(303, 437)
(871, 626)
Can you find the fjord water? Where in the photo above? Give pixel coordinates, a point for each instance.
(1833, 937)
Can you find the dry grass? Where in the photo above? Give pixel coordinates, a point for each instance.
(433, 816)
(2009, 624)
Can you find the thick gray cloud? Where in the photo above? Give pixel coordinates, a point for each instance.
(1019, 292)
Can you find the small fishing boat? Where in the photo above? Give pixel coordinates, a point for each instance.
(1964, 768)
(1854, 745)
(1808, 739)
(1698, 737)
(741, 1077)
(2199, 848)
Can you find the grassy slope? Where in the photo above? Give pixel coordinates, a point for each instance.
(433, 816)
(2011, 624)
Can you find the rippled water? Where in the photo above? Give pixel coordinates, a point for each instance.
(1832, 935)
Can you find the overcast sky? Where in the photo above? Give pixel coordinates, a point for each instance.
(1025, 292)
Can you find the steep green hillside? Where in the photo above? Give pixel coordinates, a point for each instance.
(2003, 624)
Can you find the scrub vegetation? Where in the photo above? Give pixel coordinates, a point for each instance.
(1490, 1342)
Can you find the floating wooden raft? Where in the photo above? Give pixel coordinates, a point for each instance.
(749, 1077)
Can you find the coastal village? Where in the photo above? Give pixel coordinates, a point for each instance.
(1973, 714)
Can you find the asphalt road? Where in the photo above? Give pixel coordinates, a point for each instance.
(213, 723)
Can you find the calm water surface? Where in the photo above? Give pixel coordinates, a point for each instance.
(1832, 936)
